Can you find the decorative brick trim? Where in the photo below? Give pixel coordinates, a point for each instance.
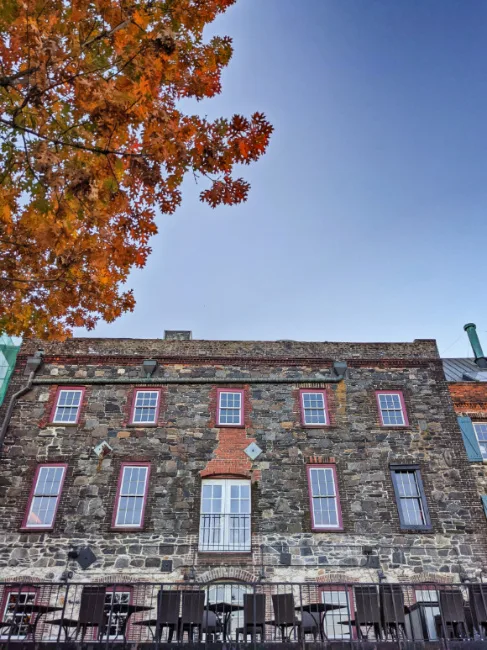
(225, 573)
(427, 578)
(339, 578)
(320, 460)
(229, 457)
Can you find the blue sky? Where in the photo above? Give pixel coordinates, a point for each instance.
(366, 218)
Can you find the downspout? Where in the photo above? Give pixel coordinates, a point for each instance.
(32, 366)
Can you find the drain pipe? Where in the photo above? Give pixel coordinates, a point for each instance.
(31, 367)
(471, 330)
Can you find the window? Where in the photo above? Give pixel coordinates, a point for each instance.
(421, 623)
(145, 407)
(44, 497)
(392, 409)
(323, 494)
(313, 408)
(117, 600)
(225, 515)
(230, 408)
(480, 429)
(410, 498)
(17, 610)
(336, 621)
(67, 408)
(131, 496)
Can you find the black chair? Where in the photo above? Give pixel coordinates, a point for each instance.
(254, 617)
(192, 613)
(91, 614)
(393, 614)
(168, 605)
(367, 611)
(285, 615)
(452, 622)
(478, 606)
(211, 625)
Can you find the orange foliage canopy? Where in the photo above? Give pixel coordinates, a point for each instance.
(93, 143)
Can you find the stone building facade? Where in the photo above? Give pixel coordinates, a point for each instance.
(188, 446)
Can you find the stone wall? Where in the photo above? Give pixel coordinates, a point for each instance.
(186, 444)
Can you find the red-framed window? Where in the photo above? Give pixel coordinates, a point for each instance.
(131, 499)
(230, 408)
(67, 405)
(337, 621)
(314, 408)
(392, 409)
(145, 406)
(45, 496)
(324, 499)
(117, 599)
(16, 609)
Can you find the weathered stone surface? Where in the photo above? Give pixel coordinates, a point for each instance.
(186, 440)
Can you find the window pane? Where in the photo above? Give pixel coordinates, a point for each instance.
(42, 511)
(49, 481)
(145, 409)
(325, 512)
(391, 409)
(116, 617)
(230, 408)
(332, 621)
(67, 406)
(18, 611)
(314, 408)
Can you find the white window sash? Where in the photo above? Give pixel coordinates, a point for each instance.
(230, 408)
(60, 407)
(384, 410)
(312, 408)
(210, 523)
(37, 494)
(129, 495)
(155, 408)
(319, 496)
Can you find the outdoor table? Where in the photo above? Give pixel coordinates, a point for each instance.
(124, 608)
(227, 610)
(319, 608)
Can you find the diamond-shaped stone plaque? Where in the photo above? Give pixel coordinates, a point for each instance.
(86, 557)
(253, 451)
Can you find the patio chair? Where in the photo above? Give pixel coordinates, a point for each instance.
(393, 615)
(367, 611)
(91, 614)
(452, 622)
(192, 613)
(285, 615)
(254, 617)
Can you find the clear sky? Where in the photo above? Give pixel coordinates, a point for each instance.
(366, 219)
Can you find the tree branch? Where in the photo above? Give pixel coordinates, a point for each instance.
(63, 143)
(7, 81)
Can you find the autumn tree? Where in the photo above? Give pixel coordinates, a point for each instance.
(94, 143)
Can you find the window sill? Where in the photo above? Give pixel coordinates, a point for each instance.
(229, 426)
(316, 426)
(125, 529)
(61, 424)
(395, 426)
(215, 554)
(327, 530)
(417, 529)
(142, 426)
(25, 529)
